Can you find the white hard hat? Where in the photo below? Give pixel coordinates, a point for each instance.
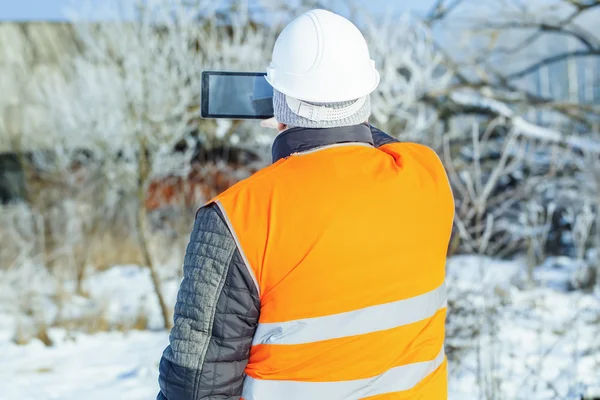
(322, 57)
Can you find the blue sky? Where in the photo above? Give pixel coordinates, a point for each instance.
(55, 9)
(32, 9)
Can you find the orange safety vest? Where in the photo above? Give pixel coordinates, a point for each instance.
(347, 246)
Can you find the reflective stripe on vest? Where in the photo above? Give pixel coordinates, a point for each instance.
(352, 323)
(347, 247)
(394, 380)
(358, 322)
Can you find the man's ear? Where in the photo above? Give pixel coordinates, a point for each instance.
(270, 123)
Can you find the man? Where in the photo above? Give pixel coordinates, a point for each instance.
(322, 275)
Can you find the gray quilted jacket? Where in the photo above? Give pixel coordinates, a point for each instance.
(218, 306)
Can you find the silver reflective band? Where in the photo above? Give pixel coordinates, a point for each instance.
(332, 146)
(352, 323)
(321, 113)
(396, 379)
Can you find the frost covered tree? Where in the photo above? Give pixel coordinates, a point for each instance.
(539, 57)
(135, 93)
(526, 74)
(411, 72)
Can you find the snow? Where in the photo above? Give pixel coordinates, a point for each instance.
(523, 127)
(533, 131)
(537, 340)
(509, 337)
(469, 98)
(110, 365)
(103, 365)
(127, 290)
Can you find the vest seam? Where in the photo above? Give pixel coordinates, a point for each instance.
(238, 244)
(330, 146)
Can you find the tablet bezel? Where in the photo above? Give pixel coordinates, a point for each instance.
(206, 89)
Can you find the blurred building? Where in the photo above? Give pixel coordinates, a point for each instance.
(30, 53)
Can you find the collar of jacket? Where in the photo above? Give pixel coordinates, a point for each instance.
(297, 140)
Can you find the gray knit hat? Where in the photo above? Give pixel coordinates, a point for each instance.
(285, 115)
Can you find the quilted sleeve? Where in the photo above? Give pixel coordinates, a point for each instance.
(216, 315)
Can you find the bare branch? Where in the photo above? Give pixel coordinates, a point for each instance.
(440, 10)
(560, 28)
(497, 83)
(552, 60)
(584, 5)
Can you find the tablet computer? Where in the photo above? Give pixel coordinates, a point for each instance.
(236, 95)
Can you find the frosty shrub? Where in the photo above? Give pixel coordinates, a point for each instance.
(130, 160)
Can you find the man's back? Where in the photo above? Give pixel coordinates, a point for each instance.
(347, 245)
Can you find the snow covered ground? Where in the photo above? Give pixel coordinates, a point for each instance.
(533, 341)
(507, 339)
(104, 365)
(100, 366)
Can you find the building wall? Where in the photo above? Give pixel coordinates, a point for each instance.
(30, 53)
